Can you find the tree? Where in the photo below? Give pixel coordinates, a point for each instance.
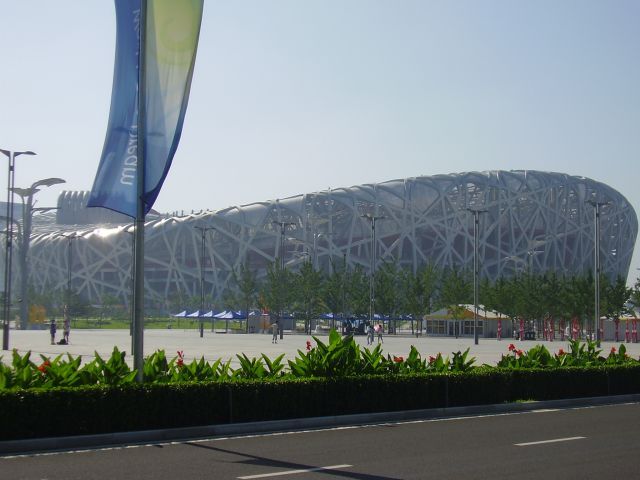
(49, 299)
(635, 294)
(276, 292)
(245, 279)
(357, 291)
(457, 289)
(431, 277)
(577, 298)
(110, 306)
(529, 298)
(309, 283)
(412, 299)
(551, 288)
(334, 292)
(616, 295)
(177, 301)
(386, 299)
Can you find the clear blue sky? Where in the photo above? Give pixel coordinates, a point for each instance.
(297, 96)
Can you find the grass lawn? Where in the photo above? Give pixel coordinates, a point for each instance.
(151, 322)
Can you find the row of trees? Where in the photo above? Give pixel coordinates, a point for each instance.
(399, 292)
(403, 292)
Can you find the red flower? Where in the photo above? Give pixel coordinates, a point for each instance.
(519, 353)
(613, 350)
(432, 359)
(398, 359)
(180, 362)
(43, 367)
(561, 352)
(512, 347)
(308, 346)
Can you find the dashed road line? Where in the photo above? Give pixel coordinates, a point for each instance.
(293, 472)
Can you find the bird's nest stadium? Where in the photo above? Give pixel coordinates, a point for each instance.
(528, 219)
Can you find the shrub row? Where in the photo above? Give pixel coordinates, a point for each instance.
(61, 411)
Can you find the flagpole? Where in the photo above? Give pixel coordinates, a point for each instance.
(138, 292)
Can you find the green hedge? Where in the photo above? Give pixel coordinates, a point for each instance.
(34, 413)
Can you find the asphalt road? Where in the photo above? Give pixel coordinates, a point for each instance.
(578, 443)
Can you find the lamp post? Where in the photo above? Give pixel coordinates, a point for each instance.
(203, 233)
(476, 227)
(70, 238)
(283, 229)
(7, 256)
(596, 210)
(372, 269)
(6, 306)
(28, 209)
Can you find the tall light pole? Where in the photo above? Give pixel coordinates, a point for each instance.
(70, 237)
(203, 233)
(6, 306)
(283, 229)
(476, 228)
(372, 269)
(28, 209)
(7, 256)
(596, 210)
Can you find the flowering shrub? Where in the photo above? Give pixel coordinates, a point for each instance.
(340, 357)
(579, 355)
(537, 357)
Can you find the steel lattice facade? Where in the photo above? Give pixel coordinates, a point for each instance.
(537, 220)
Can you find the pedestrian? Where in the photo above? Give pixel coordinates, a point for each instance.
(66, 326)
(370, 335)
(379, 332)
(275, 327)
(52, 330)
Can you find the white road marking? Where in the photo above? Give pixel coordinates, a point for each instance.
(555, 440)
(301, 432)
(293, 472)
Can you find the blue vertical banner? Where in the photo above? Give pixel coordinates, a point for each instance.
(115, 184)
(172, 29)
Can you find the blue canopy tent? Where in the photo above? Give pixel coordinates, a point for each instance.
(226, 315)
(210, 314)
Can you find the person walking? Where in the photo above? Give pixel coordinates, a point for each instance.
(370, 335)
(52, 330)
(66, 326)
(275, 327)
(379, 332)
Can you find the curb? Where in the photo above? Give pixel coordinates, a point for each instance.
(39, 445)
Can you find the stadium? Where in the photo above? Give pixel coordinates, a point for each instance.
(527, 219)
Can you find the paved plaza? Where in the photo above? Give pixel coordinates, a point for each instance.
(220, 345)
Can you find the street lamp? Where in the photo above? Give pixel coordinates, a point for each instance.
(476, 223)
(372, 258)
(7, 256)
(17, 236)
(70, 238)
(28, 209)
(596, 209)
(203, 232)
(283, 228)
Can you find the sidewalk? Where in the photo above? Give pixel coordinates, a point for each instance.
(220, 345)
